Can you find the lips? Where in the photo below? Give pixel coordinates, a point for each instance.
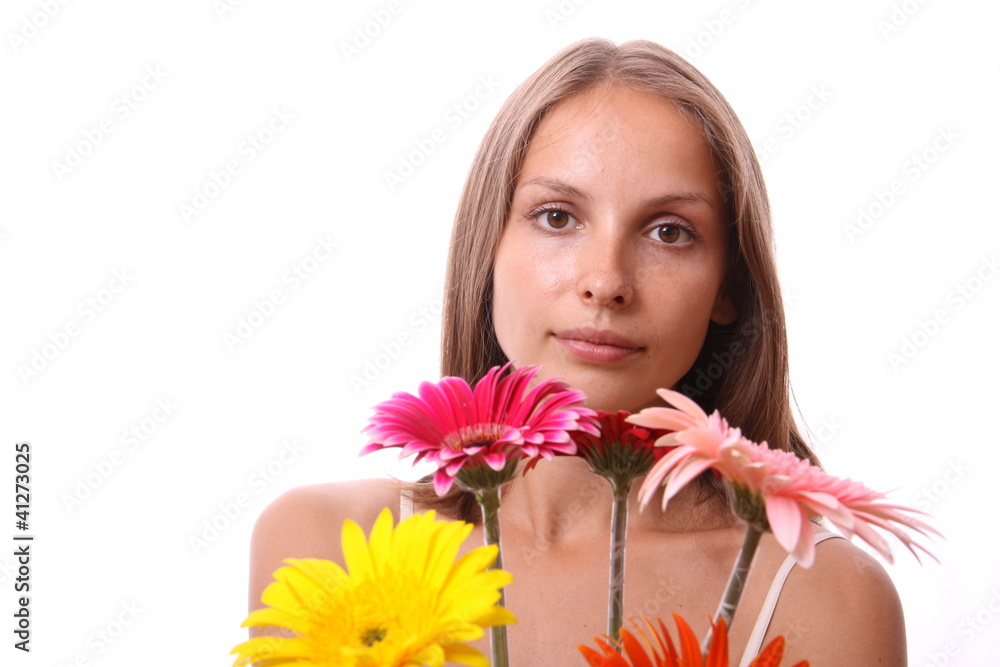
(596, 345)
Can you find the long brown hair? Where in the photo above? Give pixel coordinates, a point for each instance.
(742, 369)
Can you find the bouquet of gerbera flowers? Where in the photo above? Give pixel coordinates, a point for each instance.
(404, 601)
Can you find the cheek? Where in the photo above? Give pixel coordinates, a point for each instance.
(526, 285)
(679, 314)
(525, 275)
(677, 328)
(508, 285)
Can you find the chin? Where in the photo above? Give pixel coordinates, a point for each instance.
(606, 389)
(602, 399)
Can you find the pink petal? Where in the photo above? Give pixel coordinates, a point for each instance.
(829, 506)
(369, 448)
(805, 550)
(683, 403)
(568, 448)
(659, 471)
(495, 460)
(683, 474)
(706, 441)
(863, 530)
(442, 482)
(785, 517)
(662, 418)
(651, 485)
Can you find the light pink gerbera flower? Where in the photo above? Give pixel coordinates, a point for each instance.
(492, 426)
(772, 488)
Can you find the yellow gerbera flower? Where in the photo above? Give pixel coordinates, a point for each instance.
(403, 600)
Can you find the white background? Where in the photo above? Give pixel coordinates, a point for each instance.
(880, 94)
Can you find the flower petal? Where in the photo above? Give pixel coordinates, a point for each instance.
(785, 518)
(407, 593)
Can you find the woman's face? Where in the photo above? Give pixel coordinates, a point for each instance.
(612, 261)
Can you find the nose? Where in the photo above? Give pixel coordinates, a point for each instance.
(605, 274)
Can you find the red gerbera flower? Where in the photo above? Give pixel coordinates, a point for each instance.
(622, 450)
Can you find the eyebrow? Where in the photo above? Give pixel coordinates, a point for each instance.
(663, 200)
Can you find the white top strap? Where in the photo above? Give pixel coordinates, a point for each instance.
(771, 601)
(405, 506)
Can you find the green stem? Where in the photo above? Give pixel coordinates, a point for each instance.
(489, 501)
(737, 581)
(616, 583)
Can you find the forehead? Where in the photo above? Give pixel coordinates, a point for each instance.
(614, 133)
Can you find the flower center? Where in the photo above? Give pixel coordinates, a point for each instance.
(371, 637)
(477, 435)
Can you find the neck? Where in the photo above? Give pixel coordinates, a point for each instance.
(561, 500)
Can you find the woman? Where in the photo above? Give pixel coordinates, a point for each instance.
(614, 229)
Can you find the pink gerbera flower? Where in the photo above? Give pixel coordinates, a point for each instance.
(773, 489)
(489, 428)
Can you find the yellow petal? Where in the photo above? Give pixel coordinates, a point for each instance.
(496, 616)
(465, 655)
(265, 649)
(269, 616)
(380, 543)
(356, 555)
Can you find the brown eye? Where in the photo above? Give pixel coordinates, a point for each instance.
(556, 219)
(671, 234)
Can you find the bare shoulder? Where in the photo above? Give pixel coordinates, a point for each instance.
(844, 610)
(306, 522)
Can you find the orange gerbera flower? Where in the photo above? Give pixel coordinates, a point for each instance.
(653, 647)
